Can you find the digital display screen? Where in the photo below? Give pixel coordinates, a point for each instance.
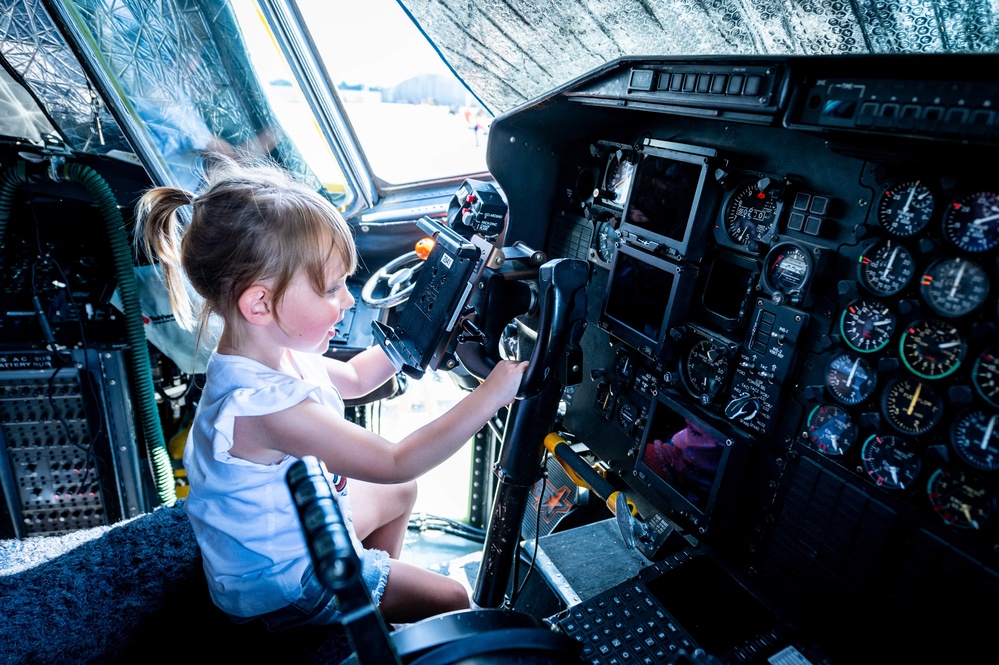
(638, 298)
(663, 197)
(728, 288)
(683, 455)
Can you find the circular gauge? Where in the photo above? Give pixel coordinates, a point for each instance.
(911, 406)
(617, 178)
(850, 378)
(867, 325)
(975, 437)
(985, 376)
(886, 267)
(607, 241)
(959, 500)
(971, 223)
(606, 399)
(905, 208)
(954, 287)
(932, 349)
(704, 368)
(891, 461)
(751, 213)
(627, 414)
(624, 366)
(788, 269)
(831, 430)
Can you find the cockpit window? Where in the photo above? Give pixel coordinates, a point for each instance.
(413, 117)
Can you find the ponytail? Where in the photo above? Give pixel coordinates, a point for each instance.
(158, 235)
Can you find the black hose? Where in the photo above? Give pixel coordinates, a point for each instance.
(138, 351)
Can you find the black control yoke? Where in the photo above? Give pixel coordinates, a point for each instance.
(556, 362)
(562, 317)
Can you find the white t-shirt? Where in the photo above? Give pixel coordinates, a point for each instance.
(243, 515)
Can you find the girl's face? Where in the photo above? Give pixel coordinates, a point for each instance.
(308, 318)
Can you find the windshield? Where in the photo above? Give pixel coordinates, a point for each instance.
(383, 107)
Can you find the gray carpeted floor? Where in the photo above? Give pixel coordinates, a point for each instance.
(131, 592)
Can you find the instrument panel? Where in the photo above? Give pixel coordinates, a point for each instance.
(793, 358)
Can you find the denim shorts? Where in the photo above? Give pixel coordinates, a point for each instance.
(316, 605)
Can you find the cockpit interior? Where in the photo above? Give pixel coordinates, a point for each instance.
(760, 422)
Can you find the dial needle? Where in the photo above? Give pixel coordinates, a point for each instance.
(988, 432)
(915, 396)
(853, 371)
(891, 262)
(908, 201)
(957, 280)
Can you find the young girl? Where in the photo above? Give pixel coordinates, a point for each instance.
(270, 257)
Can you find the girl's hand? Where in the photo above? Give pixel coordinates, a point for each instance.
(504, 380)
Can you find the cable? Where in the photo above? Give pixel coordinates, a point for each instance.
(424, 522)
(537, 537)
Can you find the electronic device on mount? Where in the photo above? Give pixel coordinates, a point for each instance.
(686, 467)
(425, 335)
(671, 199)
(645, 297)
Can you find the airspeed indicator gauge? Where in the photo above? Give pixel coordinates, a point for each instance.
(905, 208)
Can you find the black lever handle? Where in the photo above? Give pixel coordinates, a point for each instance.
(562, 297)
(336, 562)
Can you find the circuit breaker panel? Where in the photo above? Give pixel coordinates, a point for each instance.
(69, 459)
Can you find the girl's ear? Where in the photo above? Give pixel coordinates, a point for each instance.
(255, 305)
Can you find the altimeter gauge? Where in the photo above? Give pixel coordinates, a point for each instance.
(751, 212)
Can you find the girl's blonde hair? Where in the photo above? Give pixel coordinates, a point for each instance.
(252, 222)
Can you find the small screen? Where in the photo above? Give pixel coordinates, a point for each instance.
(683, 455)
(639, 296)
(663, 197)
(727, 289)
